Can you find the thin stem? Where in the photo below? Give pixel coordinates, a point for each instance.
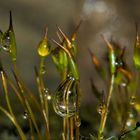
(17, 74)
(132, 100)
(104, 116)
(21, 133)
(44, 102)
(71, 128)
(28, 108)
(4, 82)
(77, 118)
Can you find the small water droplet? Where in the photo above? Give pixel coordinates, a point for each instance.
(119, 63)
(70, 77)
(47, 94)
(101, 109)
(123, 84)
(49, 97)
(78, 122)
(131, 121)
(132, 100)
(43, 70)
(6, 43)
(25, 115)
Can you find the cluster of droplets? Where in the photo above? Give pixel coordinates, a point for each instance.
(64, 100)
(47, 94)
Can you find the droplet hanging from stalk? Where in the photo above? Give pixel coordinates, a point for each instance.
(43, 51)
(64, 100)
(43, 47)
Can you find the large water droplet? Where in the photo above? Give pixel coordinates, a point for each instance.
(64, 100)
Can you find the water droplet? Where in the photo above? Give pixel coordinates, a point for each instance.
(78, 122)
(132, 100)
(43, 70)
(43, 47)
(64, 100)
(6, 43)
(47, 94)
(49, 97)
(123, 84)
(131, 121)
(101, 109)
(25, 115)
(119, 63)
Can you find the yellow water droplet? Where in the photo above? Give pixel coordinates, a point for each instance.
(43, 48)
(132, 100)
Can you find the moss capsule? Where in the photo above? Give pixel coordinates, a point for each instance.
(43, 47)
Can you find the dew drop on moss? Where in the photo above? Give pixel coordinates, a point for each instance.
(25, 115)
(47, 94)
(6, 43)
(132, 100)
